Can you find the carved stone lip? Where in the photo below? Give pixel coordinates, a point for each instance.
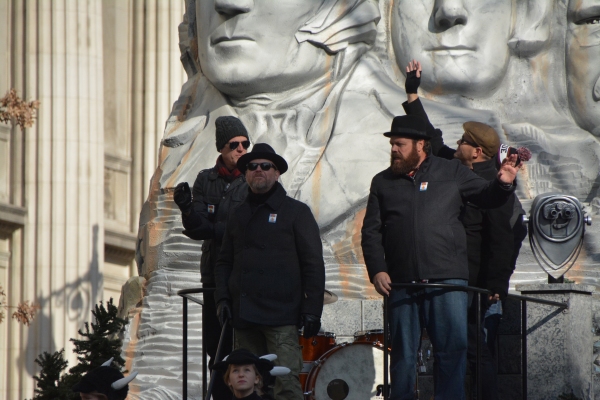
(225, 38)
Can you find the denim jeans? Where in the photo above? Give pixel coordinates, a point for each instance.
(443, 312)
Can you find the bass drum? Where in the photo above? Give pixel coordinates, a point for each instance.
(350, 371)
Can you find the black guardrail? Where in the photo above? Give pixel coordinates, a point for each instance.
(186, 294)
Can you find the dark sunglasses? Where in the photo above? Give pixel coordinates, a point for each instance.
(462, 140)
(234, 145)
(265, 166)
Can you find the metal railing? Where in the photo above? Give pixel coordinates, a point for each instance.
(478, 292)
(186, 294)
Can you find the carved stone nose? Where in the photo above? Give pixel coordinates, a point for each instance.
(233, 7)
(448, 13)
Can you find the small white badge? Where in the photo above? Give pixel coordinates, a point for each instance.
(211, 209)
(272, 218)
(423, 186)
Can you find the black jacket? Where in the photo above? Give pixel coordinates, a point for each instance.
(271, 263)
(412, 228)
(213, 200)
(490, 239)
(253, 396)
(492, 244)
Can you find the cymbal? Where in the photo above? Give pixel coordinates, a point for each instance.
(329, 297)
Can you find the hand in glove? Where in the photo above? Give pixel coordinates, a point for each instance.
(223, 311)
(413, 77)
(183, 196)
(311, 324)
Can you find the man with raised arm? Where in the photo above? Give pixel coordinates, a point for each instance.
(412, 234)
(494, 235)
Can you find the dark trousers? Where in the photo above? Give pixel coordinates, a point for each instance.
(211, 332)
(487, 368)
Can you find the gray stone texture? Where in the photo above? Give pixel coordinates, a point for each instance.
(559, 342)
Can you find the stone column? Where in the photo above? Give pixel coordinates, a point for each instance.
(56, 257)
(559, 342)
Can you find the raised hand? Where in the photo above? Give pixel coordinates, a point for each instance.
(413, 77)
(509, 169)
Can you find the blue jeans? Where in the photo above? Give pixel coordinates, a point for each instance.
(443, 312)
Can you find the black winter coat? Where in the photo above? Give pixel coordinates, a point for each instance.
(271, 263)
(490, 239)
(494, 235)
(412, 228)
(213, 200)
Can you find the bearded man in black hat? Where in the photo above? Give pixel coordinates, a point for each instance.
(270, 272)
(412, 233)
(494, 235)
(204, 211)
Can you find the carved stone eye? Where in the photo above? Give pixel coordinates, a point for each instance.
(595, 20)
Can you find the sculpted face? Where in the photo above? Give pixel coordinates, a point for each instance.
(583, 63)
(461, 44)
(247, 47)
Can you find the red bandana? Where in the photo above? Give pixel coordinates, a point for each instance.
(224, 172)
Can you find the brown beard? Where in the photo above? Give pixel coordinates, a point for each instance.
(402, 166)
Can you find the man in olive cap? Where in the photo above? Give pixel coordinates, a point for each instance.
(494, 235)
(270, 272)
(204, 212)
(412, 233)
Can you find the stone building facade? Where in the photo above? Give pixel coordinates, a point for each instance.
(71, 187)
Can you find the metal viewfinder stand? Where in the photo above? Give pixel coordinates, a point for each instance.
(556, 229)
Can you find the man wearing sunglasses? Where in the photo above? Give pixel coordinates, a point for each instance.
(204, 212)
(270, 273)
(494, 235)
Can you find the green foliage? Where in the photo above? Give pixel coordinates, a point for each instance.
(99, 345)
(48, 382)
(102, 342)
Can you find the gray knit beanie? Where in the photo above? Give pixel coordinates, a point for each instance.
(228, 128)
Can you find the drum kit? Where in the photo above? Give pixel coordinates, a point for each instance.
(344, 371)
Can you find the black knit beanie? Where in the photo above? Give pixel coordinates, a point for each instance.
(228, 128)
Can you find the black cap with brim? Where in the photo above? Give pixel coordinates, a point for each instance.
(243, 357)
(408, 126)
(262, 151)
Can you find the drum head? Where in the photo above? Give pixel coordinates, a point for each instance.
(348, 372)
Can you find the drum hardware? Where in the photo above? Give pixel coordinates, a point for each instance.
(348, 371)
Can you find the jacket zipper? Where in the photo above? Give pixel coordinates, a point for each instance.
(414, 241)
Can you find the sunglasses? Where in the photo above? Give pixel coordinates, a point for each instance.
(265, 166)
(462, 140)
(234, 145)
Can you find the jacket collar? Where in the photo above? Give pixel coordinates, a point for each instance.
(276, 199)
(484, 166)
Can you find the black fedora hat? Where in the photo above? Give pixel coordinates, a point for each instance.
(262, 150)
(408, 126)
